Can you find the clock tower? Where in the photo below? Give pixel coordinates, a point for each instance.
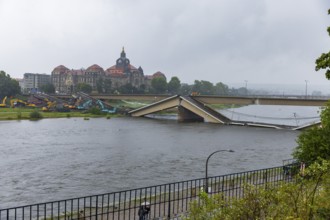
(123, 62)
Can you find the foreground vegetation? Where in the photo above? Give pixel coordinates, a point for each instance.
(314, 143)
(308, 198)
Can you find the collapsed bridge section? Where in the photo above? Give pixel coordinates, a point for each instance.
(189, 109)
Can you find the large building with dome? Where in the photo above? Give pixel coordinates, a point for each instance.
(122, 73)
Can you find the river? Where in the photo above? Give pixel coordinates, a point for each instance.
(53, 159)
(275, 114)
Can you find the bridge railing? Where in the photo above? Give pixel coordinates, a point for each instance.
(163, 96)
(165, 201)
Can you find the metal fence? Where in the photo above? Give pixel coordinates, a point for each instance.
(167, 201)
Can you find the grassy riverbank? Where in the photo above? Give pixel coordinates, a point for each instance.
(223, 106)
(24, 113)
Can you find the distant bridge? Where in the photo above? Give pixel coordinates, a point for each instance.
(263, 100)
(210, 99)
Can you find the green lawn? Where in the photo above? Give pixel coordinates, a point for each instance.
(24, 113)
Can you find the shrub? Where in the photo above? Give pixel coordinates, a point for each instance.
(308, 198)
(19, 115)
(314, 143)
(35, 115)
(95, 111)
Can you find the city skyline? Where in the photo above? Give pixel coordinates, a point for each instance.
(223, 41)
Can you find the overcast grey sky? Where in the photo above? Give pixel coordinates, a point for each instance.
(262, 41)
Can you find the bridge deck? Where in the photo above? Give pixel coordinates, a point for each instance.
(209, 111)
(192, 106)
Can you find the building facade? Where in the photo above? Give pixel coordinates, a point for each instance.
(32, 82)
(120, 74)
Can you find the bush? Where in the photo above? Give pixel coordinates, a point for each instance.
(314, 143)
(95, 111)
(19, 115)
(308, 198)
(35, 115)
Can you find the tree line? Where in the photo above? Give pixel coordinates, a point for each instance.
(8, 86)
(159, 85)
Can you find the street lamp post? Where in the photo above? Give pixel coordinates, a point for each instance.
(306, 81)
(246, 82)
(206, 168)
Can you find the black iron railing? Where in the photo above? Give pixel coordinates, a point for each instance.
(165, 201)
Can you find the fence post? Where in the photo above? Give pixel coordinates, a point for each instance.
(96, 205)
(266, 184)
(169, 203)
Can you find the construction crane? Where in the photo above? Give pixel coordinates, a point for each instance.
(104, 109)
(3, 104)
(50, 106)
(90, 100)
(18, 103)
(85, 105)
(51, 103)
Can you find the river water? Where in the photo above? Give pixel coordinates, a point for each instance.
(53, 159)
(275, 114)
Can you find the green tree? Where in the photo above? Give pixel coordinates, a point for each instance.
(142, 89)
(127, 89)
(185, 89)
(48, 88)
(83, 87)
(8, 86)
(103, 85)
(174, 85)
(203, 87)
(323, 62)
(159, 85)
(314, 143)
(242, 91)
(221, 89)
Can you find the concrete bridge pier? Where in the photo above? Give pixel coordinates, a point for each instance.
(184, 115)
(256, 101)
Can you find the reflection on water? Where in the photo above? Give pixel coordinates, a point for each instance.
(55, 159)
